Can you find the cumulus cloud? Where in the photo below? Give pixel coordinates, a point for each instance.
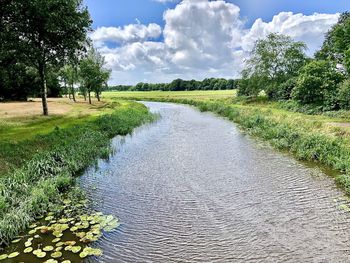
(127, 34)
(309, 29)
(201, 38)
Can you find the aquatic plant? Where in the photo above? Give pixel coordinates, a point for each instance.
(74, 223)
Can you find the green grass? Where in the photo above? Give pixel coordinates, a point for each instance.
(42, 169)
(196, 94)
(324, 139)
(26, 127)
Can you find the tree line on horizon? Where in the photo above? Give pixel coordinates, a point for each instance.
(180, 85)
(45, 51)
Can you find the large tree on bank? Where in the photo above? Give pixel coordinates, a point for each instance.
(273, 61)
(48, 32)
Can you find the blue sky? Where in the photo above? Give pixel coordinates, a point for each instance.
(150, 41)
(121, 12)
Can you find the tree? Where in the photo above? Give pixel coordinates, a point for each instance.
(93, 74)
(70, 77)
(318, 84)
(48, 32)
(344, 95)
(336, 46)
(274, 60)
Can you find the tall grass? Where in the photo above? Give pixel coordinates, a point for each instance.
(38, 183)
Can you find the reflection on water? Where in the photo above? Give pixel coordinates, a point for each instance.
(192, 188)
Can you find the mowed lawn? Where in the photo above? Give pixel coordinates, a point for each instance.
(203, 95)
(24, 120)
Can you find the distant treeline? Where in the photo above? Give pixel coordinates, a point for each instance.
(179, 85)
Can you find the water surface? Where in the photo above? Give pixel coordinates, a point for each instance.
(192, 188)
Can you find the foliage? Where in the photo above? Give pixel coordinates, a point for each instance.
(344, 94)
(44, 32)
(273, 60)
(317, 84)
(179, 85)
(93, 74)
(336, 46)
(69, 75)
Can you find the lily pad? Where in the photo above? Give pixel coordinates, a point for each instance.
(56, 254)
(31, 232)
(37, 251)
(13, 255)
(28, 250)
(70, 243)
(93, 251)
(41, 254)
(15, 240)
(51, 261)
(48, 248)
(68, 248)
(59, 244)
(76, 249)
(28, 244)
(3, 256)
(56, 240)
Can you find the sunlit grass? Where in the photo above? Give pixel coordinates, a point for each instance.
(35, 172)
(196, 94)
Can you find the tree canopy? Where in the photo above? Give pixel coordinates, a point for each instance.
(44, 32)
(273, 60)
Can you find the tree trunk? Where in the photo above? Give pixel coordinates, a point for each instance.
(98, 96)
(89, 97)
(43, 88)
(84, 94)
(73, 93)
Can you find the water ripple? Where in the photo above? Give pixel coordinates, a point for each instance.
(192, 188)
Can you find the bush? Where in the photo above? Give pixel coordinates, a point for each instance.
(280, 90)
(317, 84)
(344, 95)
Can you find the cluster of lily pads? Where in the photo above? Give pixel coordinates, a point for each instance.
(68, 232)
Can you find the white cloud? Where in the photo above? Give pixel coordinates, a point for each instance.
(201, 39)
(309, 29)
(127, 34)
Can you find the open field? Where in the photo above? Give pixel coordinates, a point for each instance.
(203, 95)
(23, 120)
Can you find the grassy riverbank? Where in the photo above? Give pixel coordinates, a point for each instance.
(39, 168)
(324, 139)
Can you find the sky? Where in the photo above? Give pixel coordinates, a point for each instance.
(160, 40)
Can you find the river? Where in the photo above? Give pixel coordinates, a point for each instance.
(191, 187)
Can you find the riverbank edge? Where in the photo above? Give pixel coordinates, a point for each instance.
(46, 179)
(330, 151)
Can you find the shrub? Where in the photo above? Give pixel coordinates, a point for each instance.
(318, 84)
(344, 95)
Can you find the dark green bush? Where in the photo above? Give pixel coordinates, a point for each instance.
(344, 95)
(317, 84)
